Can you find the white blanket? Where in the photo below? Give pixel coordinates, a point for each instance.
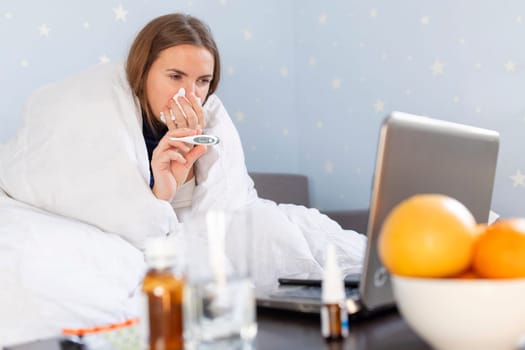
(77, 208)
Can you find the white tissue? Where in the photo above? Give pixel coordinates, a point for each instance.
(180, 93)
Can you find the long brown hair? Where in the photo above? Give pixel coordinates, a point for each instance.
(159, 34)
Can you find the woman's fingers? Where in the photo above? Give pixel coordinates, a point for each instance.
(167, 118)
(188, 111)
(178, 116)
(172, 155)
(196, 104)
(184, 112)
(194, 154)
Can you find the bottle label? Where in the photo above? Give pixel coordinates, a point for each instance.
(334, 321)
(325, 322)
(344, 322)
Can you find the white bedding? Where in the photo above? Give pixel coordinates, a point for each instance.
(79, 157)
(57, 273)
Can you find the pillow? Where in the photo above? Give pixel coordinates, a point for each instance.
(80, 153)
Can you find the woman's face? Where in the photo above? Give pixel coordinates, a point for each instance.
(187, 66)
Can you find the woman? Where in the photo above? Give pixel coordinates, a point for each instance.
(173, 52)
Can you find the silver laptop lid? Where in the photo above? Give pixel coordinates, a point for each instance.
(423, 155)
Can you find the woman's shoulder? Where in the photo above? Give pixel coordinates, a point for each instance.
(92, 81)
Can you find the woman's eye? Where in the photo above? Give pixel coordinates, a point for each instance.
(205, 81)
(175, 76)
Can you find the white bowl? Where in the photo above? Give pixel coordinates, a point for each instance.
(463, 313)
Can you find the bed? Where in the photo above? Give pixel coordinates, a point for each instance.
(76, 209)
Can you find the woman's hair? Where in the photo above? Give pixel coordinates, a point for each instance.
(159, 34)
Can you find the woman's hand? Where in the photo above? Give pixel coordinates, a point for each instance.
(185, 113)
(172, 162)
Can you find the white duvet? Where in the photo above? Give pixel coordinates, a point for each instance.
(76, 209)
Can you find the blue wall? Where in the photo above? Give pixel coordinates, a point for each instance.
(308, 82)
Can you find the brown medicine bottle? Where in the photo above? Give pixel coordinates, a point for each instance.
(163, 290)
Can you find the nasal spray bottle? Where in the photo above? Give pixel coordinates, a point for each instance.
(334, 317)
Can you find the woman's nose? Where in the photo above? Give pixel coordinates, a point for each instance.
(191, 88)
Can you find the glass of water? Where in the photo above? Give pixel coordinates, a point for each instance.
(219, 300)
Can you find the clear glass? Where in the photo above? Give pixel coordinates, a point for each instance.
(219, 298)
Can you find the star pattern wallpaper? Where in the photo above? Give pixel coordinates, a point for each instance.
(307, 83)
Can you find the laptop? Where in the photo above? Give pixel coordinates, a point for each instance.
(415, 155)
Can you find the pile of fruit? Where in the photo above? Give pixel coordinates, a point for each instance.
(432, 235)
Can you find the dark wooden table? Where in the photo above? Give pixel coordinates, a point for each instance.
(280, 330)
(287, 330)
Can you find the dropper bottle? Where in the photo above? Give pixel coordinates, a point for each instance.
(334, 317)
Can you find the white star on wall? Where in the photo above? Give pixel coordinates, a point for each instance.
(323, 18)
(120, 13)
(86, 25)
(455, 99)
(379, 106)
(312, 61)
(44, 30)
(223, 2)
(319, 124)
(8, 15)
(461, 41)
(478, 66)
(408, 92)
(518, 179)
(329, 167)
(24, 63)
(230, 70)
(285, 132)
(247, 35)
(519, 19)
(425, 20)
(336, 83)
(240, 116)
(510, 66)
(438, 68)
(283, 71)
(104, 59)
(373, 13)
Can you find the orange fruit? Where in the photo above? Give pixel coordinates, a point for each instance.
(500, 250)
(428, 235)
(467, 275)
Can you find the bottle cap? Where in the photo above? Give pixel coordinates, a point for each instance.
(160, 253)
(333, 286)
